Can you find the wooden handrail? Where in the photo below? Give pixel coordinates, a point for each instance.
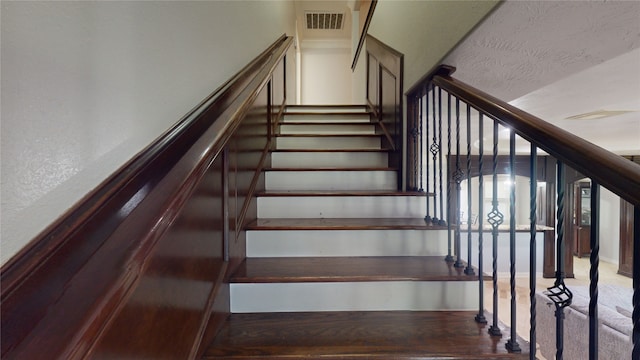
(61, 291)
(363, 34)
(612, 171)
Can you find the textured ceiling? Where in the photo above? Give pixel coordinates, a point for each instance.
(556, 59)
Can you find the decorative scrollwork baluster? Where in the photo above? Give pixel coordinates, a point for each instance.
(443, 218)
(457, 177)
(469, 269)
(480, 318)
(427, 217)
(559, 293)
(533, 196)
(449, 257)
(435, 149)
(512, 344)
(593, 272)
(495, 218)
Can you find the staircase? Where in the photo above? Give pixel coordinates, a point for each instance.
(340, 264)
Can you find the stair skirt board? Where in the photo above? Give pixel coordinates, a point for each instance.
(303, 207)
(331, 180)
(327, 159)
(354, 296)
(328, 142)
(315, 128)
(310, 243)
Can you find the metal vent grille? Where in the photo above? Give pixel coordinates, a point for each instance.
(324, 21)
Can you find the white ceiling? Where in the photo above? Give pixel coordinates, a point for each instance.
(556, 59)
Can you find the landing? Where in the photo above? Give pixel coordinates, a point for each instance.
(357, 335)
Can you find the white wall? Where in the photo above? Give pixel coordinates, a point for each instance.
(609, 226)
(425, 31)
(523, 198)
(609, 211)
(358, 75)
(86, 85)
(325, 72)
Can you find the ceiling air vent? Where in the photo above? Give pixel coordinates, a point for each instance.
(600, 114)
(324, 20)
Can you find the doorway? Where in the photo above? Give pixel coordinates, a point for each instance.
(625, 266)
(581, 219)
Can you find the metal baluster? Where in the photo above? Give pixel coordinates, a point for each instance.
(427, 217)
(417, 117)
(457, 176)
(423, 119)
(480, 318)
(469, 269)
(593, 272)
(449, 257)
(512, 343)
(559, 293)
(443, 218)
(533, 207)
(495, 219)
(635, 317)
(434, 152)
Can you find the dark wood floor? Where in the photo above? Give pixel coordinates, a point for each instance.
(358, 335)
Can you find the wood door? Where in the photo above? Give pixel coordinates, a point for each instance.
(581, 219)
(625, 266)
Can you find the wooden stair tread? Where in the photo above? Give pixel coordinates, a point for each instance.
(344, 224)
(332, 150)
(327, 122)
(342, 193)
(348, 269)
(329, 135)
(358, 335)
(331, 168)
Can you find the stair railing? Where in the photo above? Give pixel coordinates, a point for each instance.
(604, 168)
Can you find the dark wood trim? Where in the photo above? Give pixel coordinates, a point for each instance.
(385, 70)
(363, 34)
(612, 171)
(549, 262)
(61, 294)
(418, 89)
(625, 265)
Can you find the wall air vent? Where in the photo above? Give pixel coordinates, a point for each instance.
(324, 20)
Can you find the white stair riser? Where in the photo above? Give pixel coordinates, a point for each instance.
(355, 296)
(320, 118)
(319, 243)
(328, 159)
(305, 207)
(328, 142)
(326, 109)
(330, 180)
(327, 129)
